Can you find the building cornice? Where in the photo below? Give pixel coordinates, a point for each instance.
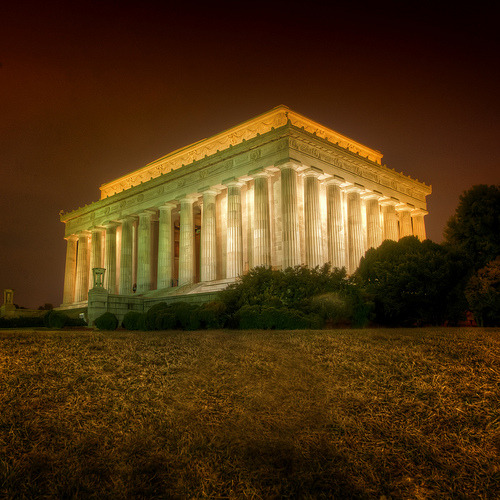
(275, 118)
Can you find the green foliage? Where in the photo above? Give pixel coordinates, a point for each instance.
(475, 227)
(55, 319)
(178, 315)
(483, 294)
(107, 321)
(134, 320)
(21, 322)
(414, 282)
(323, 291)
(290, 288)
(271, 318)
(213, 314)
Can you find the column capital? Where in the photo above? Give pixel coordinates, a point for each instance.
(372, 195)
(261, 174)
(335, 180)
(419, 211)
(71, 237)
(83, 232)
(167, 206)
(147, 211)
(355, 188)
(289, 163)
(209, 190)
(386, 201)
(312, 172)
(127, 218)
(189, 198)
(233, 183)
(109, 224)
(403, 207)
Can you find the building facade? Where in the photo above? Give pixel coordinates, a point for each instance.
(278, 190)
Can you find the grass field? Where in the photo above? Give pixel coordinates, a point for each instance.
(234, 414)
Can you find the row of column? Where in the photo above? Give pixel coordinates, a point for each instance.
(350, 232)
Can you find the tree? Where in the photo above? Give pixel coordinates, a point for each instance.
(475, 227)
(483, 294)
(414, 282)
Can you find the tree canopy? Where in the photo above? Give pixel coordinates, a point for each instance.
(414, 282)
(475, 227)
(483, 294)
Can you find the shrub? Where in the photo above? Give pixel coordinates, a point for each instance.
(213, 314)
(331, 307)
(22, 322)
(179, 315)
(134, 320)
(150, 317)
(107, 321)
(187, 315)
(55, 319)
(272, 318)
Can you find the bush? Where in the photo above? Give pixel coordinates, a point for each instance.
(213, 314)
(21, 322)
(179, 315)
(271, 318)
(55, 319)
(134, 320)
(333, 308)
(150, 317)
(107, 321)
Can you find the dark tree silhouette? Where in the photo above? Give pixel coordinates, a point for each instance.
(475, 227)
(414, 282)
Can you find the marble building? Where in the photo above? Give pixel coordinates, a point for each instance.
(277, 190)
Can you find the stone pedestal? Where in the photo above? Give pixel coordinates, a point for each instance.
(97, 303)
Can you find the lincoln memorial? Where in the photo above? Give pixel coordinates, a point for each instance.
(277, 190)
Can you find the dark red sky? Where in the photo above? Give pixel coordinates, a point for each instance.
(90, 91)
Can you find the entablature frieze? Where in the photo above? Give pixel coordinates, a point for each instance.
(268, 153)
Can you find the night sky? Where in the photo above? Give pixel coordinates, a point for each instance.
(91, 91)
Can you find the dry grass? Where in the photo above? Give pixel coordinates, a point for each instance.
(230, 414)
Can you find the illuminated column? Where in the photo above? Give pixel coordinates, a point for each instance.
(82, 266)
(165, 246)
(262, 231)
(373, 224)
(144, 271)
(234, 231)
(290, 221)
(391, 231)
(186, 242)
(110, 257)
(126, 256)
(312, 219)
(335, 223)
(356, 236)
(419, 224)
(208, 243)
(70, 270)
(405, 228)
